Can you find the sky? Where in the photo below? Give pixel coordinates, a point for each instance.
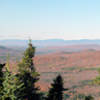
(50, 19)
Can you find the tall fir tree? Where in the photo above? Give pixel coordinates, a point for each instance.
(28, 74)
(56, 90)
(12, 86)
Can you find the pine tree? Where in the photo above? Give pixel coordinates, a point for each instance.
(1, 73)
(56, 90)
(12, 86)
(28, 74)
(8, 85)
(1, 78)
(89, 97)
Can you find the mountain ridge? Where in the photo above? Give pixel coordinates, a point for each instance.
(48, 42)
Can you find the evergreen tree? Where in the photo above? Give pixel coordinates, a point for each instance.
(89, 97)
(12, 86)
(1, 78)
(56, 90)
(28, 74)
(1, 73)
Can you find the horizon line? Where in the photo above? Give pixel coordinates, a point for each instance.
(49, 39)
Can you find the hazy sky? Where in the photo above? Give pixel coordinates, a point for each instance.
(44, 19)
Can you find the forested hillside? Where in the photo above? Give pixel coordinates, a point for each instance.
(31, 77)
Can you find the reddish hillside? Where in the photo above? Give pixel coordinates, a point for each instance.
(78, 69)
(62, 60)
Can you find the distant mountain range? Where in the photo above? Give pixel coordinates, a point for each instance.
(16, 47)
(49, 42)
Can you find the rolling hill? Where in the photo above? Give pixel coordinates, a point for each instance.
(77, 68)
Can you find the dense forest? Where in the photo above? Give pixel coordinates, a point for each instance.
(21, 85)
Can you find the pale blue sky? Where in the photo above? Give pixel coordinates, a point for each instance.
(45, 19)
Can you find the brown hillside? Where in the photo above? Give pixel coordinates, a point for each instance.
(78, 69)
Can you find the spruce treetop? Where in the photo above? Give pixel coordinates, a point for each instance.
(27, 60)
(56, 90)
(30, 51)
